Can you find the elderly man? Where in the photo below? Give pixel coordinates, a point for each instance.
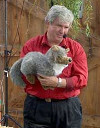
(59, 107)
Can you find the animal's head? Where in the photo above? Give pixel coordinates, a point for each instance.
(59, 55)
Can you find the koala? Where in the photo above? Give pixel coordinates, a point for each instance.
(50, 64)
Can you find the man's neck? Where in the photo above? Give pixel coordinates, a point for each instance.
(52, 41)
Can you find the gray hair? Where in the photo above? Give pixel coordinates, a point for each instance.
(61, 12)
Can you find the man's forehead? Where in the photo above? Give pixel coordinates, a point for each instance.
(61, 22)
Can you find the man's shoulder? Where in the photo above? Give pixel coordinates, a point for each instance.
(72, 43)
(74, 46)
(35, 39)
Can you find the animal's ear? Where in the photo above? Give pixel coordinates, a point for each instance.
(67, 50)
(55, 48)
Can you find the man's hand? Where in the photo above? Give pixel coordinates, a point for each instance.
(48, 82)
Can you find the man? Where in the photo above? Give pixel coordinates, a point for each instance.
(61, 107)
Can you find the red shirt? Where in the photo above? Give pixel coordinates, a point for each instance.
(76, 74)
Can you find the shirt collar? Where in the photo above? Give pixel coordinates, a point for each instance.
(63, 43)
(45, 40)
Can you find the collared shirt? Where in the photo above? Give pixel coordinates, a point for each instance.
(76, 74)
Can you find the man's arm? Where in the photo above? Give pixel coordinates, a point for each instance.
(77, 78)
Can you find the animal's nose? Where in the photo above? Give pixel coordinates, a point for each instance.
(70, 60)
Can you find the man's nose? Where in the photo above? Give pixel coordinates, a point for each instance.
(62, 30)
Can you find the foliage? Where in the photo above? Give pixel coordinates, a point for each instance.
(88, 14)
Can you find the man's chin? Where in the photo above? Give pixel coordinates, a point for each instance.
(59, 39)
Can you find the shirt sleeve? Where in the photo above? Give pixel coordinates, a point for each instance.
(26, 48)
(77, 74)
(24, 51)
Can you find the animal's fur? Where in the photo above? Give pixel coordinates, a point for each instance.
(36, 62)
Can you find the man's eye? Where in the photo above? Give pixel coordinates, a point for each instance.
(66, 27)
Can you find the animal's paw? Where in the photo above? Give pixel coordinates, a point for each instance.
(30, 78)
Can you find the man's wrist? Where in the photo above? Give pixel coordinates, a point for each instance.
(59, 84)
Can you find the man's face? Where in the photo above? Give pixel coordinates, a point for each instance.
(56, 30)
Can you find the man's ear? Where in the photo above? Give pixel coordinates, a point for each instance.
(47, 24)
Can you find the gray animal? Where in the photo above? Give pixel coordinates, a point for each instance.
(33, 63)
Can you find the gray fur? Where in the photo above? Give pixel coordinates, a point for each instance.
(36, 62)
(41, 63)
(15, 73)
